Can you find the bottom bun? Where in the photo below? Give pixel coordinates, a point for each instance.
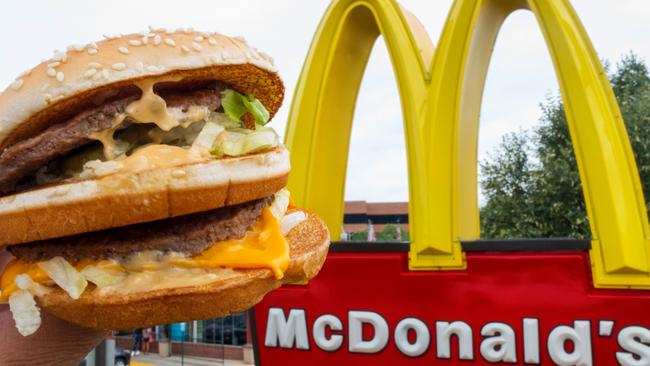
(308, 243)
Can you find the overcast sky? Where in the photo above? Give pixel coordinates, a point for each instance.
(520, 75)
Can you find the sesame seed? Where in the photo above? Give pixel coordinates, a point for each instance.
(152, 68)
(119, 66)
(197, 47)
(51, 72)
(178, 173)
(105, 74)
(48, 97)
(170, 42)
(59, 56)
(17, 84)
(111, 36)
(90, 72)
(185, 49)
(75, 47)
(139, 66)
(135, 42)
(93, 45)
(212, 41)
(97, 76)
(198, 39)
(92, 51)
(151, 28)
(145, 39)
(54, 64)
(60, 76)
(123, 50)
(156, 40)
(94, 65)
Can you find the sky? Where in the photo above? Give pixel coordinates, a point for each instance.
(520, 76)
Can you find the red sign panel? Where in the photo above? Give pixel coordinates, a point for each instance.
(513, 307)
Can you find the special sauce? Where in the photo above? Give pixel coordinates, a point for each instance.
(263, 246)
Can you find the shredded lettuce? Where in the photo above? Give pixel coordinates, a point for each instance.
(103, 277)
(207, 136)
(24, 282)
(236, 144)
(65, 276)
(280, 203)
(291, 220)
(236, 105)
(25, 312)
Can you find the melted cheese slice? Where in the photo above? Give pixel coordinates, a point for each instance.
(263, 246)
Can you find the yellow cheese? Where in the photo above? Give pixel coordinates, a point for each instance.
(13, 269)
(263, 246)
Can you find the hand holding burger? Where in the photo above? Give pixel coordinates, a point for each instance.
(139, 184)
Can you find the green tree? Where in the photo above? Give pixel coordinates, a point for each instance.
(507, 180)
(531, 183)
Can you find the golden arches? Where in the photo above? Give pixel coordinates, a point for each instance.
(441, 113)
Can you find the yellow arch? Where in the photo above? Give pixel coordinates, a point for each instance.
(620, 249)
(320, 121)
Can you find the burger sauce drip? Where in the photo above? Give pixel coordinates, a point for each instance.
(150, 108)
(106, 137)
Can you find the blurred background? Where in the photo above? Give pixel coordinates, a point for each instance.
(529, 184)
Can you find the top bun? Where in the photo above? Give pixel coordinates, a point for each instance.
(58, 88)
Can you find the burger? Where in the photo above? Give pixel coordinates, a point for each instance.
(140, 185)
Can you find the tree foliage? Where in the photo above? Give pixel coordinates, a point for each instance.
(531, 183)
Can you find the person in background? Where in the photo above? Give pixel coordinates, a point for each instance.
(147, 339)
(137, 341)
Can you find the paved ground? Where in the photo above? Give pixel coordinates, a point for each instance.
(155, 360)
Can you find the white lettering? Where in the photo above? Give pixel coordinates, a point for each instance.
(357, 344)
(635, 340)
(422, 337)
(531, 340)
(445, 330)
(579, 335)
(293, 330)
(323, 322)
(500, 346)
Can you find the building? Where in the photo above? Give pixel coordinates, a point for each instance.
(224, 338)
(373, 216)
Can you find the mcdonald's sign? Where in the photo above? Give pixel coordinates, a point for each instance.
(449, 297)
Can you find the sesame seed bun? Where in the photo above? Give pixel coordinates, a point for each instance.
(69, 82)
(308, 245)
(119, 200)
(72, 82)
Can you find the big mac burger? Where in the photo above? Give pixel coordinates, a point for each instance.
(139, 184)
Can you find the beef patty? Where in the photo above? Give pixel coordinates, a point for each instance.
(27, 156)
(191, 234)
